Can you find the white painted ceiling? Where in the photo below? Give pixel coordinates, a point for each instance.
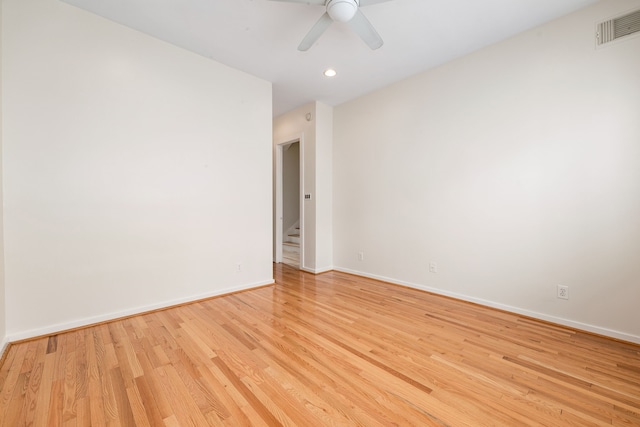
(261, 37)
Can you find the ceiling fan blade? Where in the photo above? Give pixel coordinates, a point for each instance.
(361, 25)
(313, 2)
(316, 31)
(370, 2)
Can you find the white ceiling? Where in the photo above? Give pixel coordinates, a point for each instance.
(261, 38)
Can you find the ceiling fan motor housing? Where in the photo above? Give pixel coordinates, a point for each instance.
(342, 10)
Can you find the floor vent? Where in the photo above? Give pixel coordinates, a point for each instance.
(617, 28)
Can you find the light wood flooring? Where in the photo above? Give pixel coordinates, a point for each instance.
(324, 350)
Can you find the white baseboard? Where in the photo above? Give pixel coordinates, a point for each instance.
(4, 345)
(317, 270)
(534, 314)
(88, 321)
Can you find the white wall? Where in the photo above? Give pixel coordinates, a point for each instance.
(515, 169)
(3, 317)
(316, 141)
(324, 187)
(136, 173)
(286, 128)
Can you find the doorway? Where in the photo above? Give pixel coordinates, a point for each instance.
(289, 236)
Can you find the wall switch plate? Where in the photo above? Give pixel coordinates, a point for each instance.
(360, 256)
(563, 292)
(433, 267)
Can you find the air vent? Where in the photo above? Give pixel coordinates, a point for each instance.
(618, 28)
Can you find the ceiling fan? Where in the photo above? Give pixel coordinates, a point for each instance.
(342, 11)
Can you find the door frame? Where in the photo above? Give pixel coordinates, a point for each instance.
(279, 199)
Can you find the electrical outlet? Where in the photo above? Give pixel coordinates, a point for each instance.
(360, 256)
(238, 267)
(433, 267)
(563, 292)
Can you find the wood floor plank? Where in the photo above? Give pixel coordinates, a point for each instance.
(69, 408)
(332, 349)
(7, 359)
(56, 404)
(138, 411)
(182, 401)
(121, 397)
(14, 414)
(45, 392)
(33, 382)
(11, 374)
(231, 402)
(83, 412)
(94, 383)
(155, 405)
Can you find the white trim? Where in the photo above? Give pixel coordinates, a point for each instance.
(4, 345)
(278, 153)
(301, 198)
(534, 314)
(319, 270)
(88, 321)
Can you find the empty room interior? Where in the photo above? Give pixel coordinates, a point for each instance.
(201, 226)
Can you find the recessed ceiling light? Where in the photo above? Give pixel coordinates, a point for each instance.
(330, 72)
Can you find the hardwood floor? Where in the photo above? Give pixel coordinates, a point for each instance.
(332, 349)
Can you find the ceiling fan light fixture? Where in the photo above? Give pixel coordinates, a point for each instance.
(345, 11)
(342, 10)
